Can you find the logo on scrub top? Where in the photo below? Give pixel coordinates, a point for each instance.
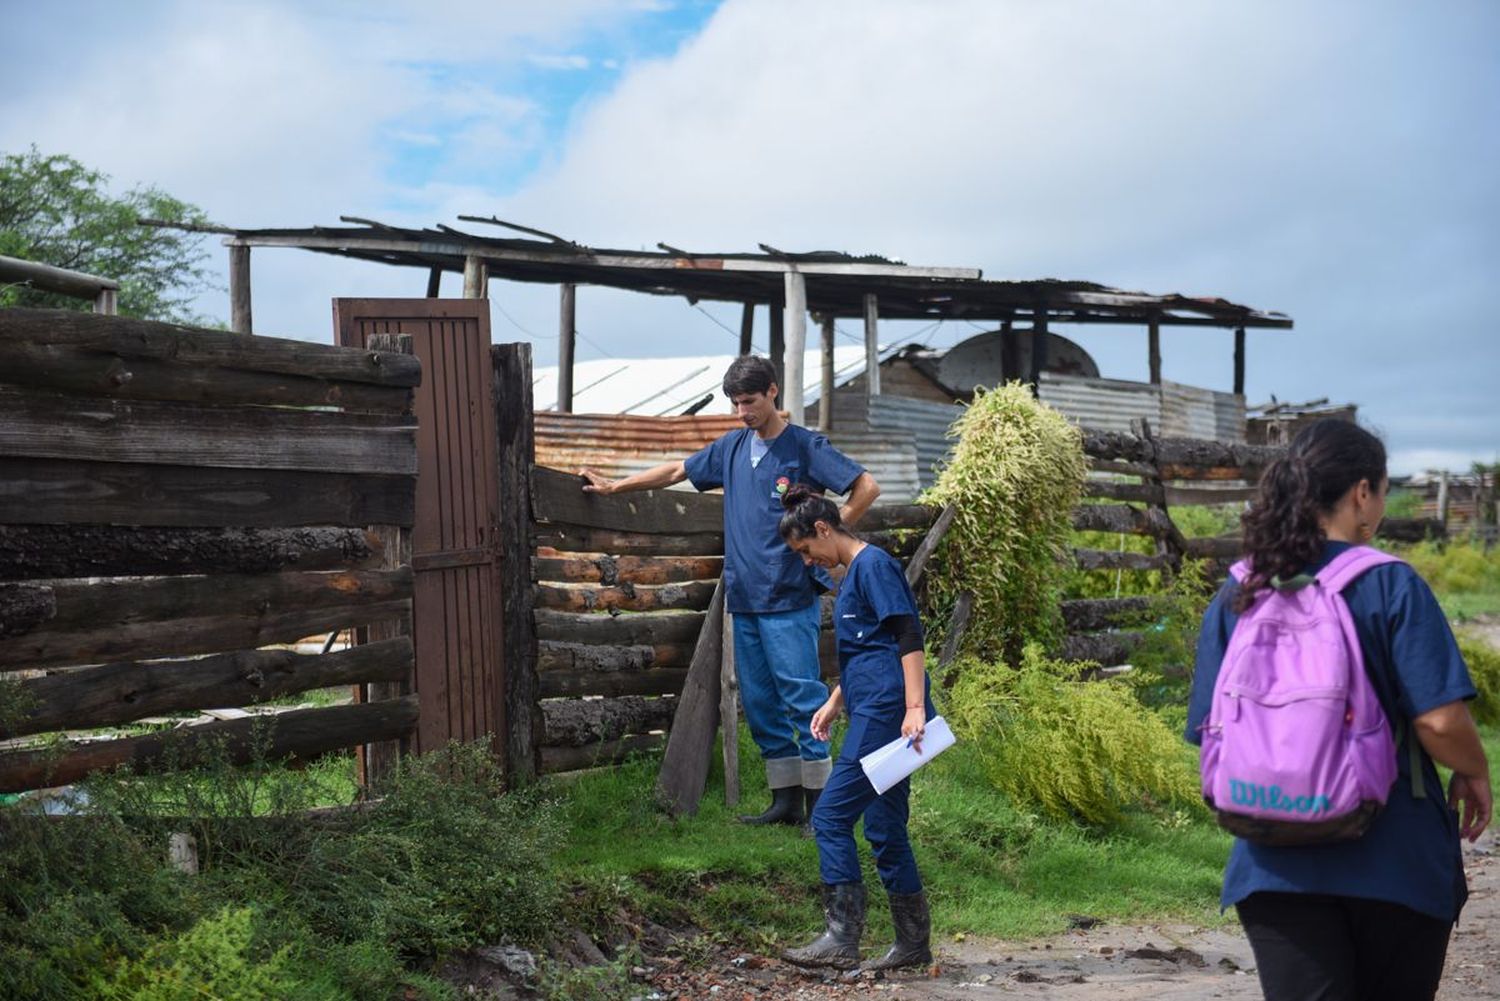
(782, 484)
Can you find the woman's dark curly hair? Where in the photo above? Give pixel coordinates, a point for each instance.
(1282, 535)
(803, 508)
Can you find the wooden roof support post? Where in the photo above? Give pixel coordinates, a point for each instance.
(796, 346)
(107, 302)
(1239, 361)
(434, 282)
(747, 327)
(476, 278)
(566, 339)
(239, 289)
(1038, 349)
(1153, 351)
(872, 347)
(825, 397)
(777, 347)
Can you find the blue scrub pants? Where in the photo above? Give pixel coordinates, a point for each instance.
(776, 659)
(849, 795)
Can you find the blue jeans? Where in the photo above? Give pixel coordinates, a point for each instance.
(776, 659)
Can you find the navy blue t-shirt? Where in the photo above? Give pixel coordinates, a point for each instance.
(1410, 855)
(873, 591)
(760, 573)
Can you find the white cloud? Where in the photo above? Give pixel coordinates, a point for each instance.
(568, 62)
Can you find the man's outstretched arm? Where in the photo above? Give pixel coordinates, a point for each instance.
(654, 478)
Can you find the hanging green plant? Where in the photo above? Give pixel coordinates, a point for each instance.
(1015, 475)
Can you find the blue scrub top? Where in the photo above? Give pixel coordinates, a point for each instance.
(760, 573)
(874, 590)
(1410, 855)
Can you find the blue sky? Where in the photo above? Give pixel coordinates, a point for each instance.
(1336, 161)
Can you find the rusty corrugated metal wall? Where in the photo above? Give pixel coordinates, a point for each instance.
(460, 670)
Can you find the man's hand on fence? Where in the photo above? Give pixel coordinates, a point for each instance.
(597, 483)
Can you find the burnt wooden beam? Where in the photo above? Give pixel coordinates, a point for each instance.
(1105, 559)
(58, 491)
(890, 517)
(41, 426)
(576, 683)
(24, 607)
(1087, 614)
(119, 693)
(32, 552)
(577, 722)
(1412, 529)
(298, 735)
(1142, 493)
(644, 628)
(576, 538)
(558, 496)
(611, 570)
(132, 338)
(1106, 649)
(684, 768)
(625, 598)
(561, 655)
(516, 459)
(609, 752)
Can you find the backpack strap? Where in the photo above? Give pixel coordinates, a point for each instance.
(1344, 568)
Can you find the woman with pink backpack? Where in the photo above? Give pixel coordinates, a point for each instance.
(1327, 684)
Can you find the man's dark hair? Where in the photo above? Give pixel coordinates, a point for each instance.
(748, 374)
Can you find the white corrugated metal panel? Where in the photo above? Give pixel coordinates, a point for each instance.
(1195, 412)
(888, 456)
(927, 423)
(1106, 404)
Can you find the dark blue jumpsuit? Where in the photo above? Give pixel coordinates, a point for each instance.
(873, 591)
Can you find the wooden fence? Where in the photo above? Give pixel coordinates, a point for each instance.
(171, 501)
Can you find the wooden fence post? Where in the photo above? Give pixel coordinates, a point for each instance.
(684, 767)
(729, 715)
(515, 434)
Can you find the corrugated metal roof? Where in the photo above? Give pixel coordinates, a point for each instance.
(1106, 404)
(1194, 412)
(925, 422)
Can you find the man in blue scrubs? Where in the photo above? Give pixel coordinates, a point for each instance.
(767, 588)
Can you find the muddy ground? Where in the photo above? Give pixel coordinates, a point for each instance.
(1159, 962)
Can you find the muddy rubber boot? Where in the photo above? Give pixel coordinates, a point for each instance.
(785, 808)
(809, 800)
(913, 924)
(844, 917)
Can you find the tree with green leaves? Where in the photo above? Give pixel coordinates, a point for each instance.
(54, 210)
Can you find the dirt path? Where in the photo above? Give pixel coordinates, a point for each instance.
(1157, 962)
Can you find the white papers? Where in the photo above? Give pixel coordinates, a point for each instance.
(885, 766)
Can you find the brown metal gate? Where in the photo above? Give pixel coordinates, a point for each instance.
(460, 670)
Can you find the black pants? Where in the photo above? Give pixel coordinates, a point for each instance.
(1312, 947)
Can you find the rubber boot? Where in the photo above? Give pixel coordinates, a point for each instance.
(809, 800)
(844, 917)
(786, 808)
(913, 923)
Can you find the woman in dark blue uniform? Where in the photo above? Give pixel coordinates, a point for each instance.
(1368, 918)
(884, 686)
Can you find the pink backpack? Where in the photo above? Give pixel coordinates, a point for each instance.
(1296, 748)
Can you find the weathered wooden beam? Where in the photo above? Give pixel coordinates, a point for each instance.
(46, 278)
(128, 619)
(579, 722)
(825, 376)
(566, 339)
(872, 346)
(1153, 352)
(119, 693)
(684, 768)
(239, 290)
(611, 570)
(958, 624)
(563, 655)
(1141, 493)
(575, 538)
(60, 491)
(1106, 649)
(577, 683)
(516, 458)
(626, 598)
(476, 277)
(609, 752)
(52, 427)
(644, 628)
(1111, 518)
(1088, 614)
(1105, 559)
(298, 735)
(795, 331)
(1219, 547)
(1181, 496)
(934, 538)
(1239, 361)
(24, 607)
(132, 338)
(558, 496)
(32, 552)
(1412, 529)
(82, 369)
(889, 517)
(747, 328)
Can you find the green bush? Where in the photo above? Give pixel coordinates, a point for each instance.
(1484, 668)
(1069, 747)
(1454, 567)
(1016, 472)
(216, 958)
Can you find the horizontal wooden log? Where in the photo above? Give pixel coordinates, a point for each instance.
(579, 722)
(1141, 493)
(1412, 529)
(900, 545)
(38, 426)
(645, 628)
(611, 570)
(1198, 453)
(119, 693)
(554, 655)
(72, 369)
(1105, 649)
(558, 496)
(657, 681)
(1209, 473)
(1123, 468)
(1113, 518)
(1107, 559)
(1182, 496)
(58, 491)
(625, 598)
(298, 735)
(609, 752)
(1117, 445)
(132, 338)
(124, 619)
(1089, 614)
(889, 517)
(31, 552)
(583, 539)
(24, 607)
(1229, 547)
